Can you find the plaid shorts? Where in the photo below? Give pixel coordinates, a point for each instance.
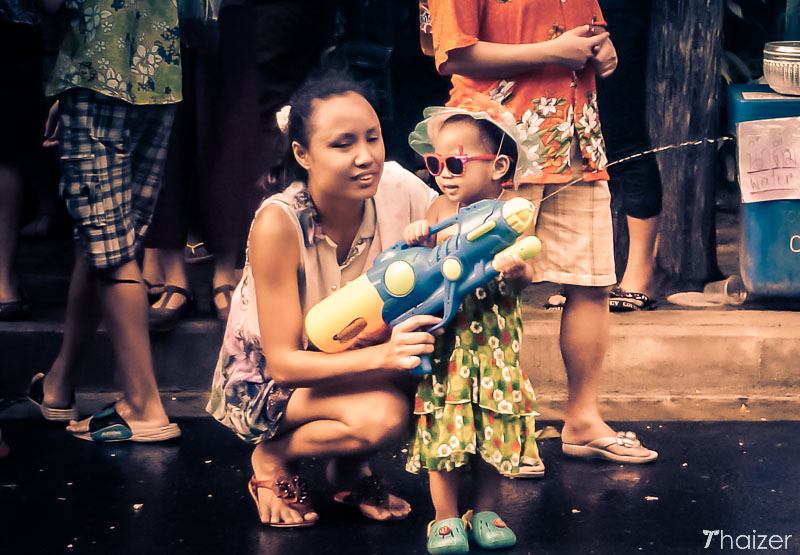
(112, 161)
(575, 228)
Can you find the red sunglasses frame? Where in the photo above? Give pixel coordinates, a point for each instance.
(463, 158)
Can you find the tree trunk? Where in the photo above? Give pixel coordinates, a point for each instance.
(683, 105)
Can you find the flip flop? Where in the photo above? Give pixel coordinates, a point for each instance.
(629, 301)
(35, 395)
(556, 302)
(599, 449)
(447, 536)
(488, 530)
(108, 426)
(369, 491)
(292, 490)
(528, 471)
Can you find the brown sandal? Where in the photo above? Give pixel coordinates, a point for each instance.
(292, 490)
(370, 490)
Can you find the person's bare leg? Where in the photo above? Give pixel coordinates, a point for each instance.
(444, 493)
(124, 309)
(224, 268)
(329, 426)
(638, 276)
(174, 274)
(224, 274)
(10, 208)
(486, 486)
(152, 272)
(584, 340)
(80, 327)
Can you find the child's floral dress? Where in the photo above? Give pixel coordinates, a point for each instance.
(478, 400)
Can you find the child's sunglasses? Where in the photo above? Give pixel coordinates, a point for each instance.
(455, 163)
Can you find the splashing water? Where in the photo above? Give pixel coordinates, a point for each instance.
(644, 153)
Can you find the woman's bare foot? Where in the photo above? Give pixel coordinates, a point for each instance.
(273, 510)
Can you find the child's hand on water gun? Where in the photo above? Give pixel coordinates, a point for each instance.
(512, 267)
(417, 233)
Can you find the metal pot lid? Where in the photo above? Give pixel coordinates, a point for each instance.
(784, 51)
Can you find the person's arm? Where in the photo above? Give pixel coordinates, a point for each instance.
(513, 268)
(491, 60)
(275, 259)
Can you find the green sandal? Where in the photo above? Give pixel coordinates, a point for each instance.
(447, 536)
(488, 530)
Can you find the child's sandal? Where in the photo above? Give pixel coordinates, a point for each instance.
(488, 530)
(447, 536)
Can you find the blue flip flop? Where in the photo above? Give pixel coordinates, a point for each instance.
(447, 536)
(35, 395)
(108, 425)
(488, 530)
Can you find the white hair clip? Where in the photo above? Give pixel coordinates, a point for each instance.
(282, 118)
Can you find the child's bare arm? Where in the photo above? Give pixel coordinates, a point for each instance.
(416, 233)
(490, 60)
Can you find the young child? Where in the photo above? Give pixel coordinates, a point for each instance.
(539, 59)
(478, 405)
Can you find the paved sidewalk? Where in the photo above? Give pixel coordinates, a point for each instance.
(59, 494)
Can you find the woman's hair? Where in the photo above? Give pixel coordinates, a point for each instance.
(491, 138)
(319, 86)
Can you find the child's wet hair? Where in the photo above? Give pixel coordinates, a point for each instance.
(319, 86)
(491, 136)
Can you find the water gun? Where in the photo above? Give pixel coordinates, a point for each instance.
(409, 280)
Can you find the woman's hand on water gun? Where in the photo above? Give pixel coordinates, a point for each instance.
(417, 233)
(407, 342)
(512, 267)
(367, 338)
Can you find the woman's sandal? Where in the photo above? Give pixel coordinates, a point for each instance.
(227, 292)
(292, 490)
(488, 530)
(447, 536)
(162, 319)
(369, 491)
(154, 291)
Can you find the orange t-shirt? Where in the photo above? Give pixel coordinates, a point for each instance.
(552, 102)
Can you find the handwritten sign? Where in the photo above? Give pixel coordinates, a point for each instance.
(769, 159)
